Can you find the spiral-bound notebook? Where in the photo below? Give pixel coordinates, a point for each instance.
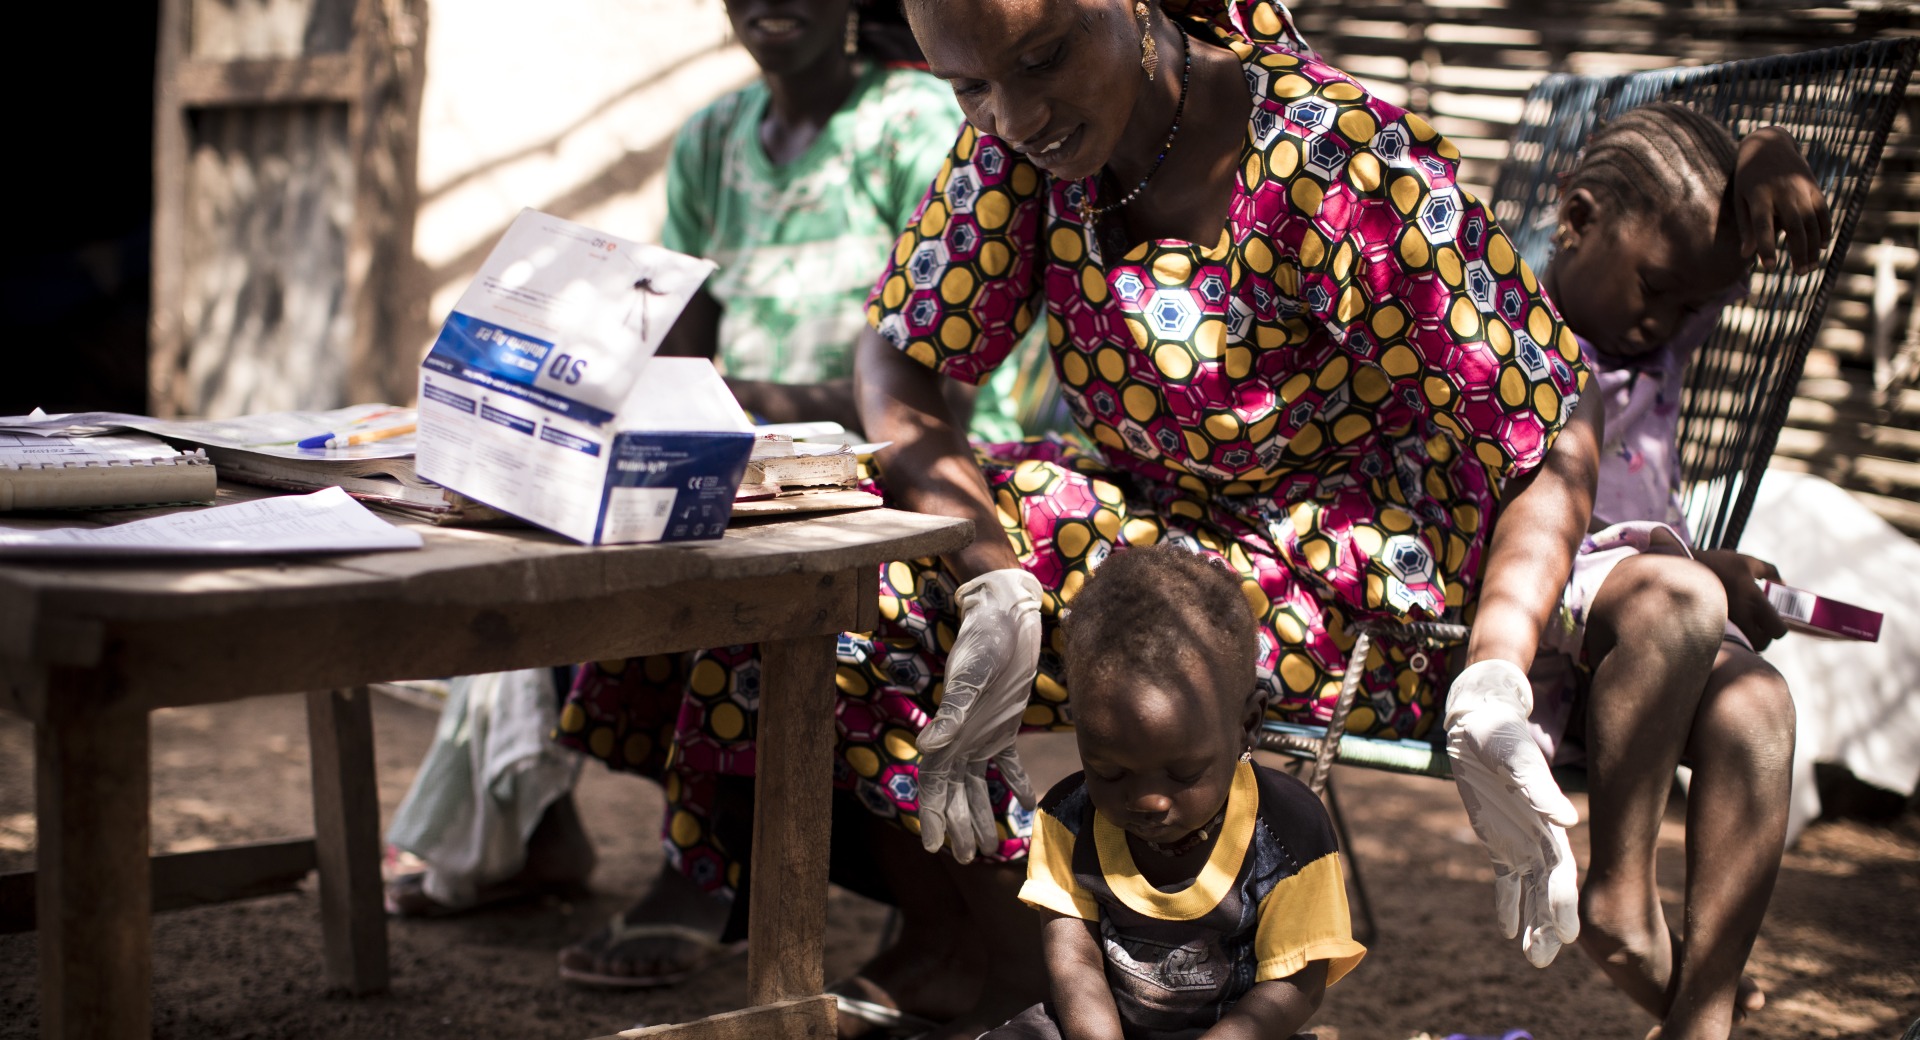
(99, 471)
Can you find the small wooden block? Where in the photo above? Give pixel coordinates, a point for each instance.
(809, 1018)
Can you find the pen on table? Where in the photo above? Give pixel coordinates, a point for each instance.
(335, 440)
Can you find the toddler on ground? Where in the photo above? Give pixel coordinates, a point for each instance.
(1190, 892)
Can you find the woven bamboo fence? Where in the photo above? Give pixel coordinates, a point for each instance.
(1467, 64)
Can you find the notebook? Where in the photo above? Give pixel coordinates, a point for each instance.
(61, 472)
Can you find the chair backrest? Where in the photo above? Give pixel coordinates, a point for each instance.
(1838, 103)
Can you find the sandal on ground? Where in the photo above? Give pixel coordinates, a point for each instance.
(406, 895)
(885, 1021)
(603, 946)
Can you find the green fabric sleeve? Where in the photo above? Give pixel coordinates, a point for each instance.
(692, 178)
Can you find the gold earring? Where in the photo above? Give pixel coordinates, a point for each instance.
(1247, 755)
(853, 31)
(1149, 51)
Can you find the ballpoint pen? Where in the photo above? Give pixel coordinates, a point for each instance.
(335, 440)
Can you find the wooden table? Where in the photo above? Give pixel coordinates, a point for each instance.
(88, 649)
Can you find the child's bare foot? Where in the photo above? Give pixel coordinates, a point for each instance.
(1632, 948)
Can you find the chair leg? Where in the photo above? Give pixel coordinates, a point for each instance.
(1369, 928)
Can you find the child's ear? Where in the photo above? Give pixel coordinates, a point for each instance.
(1256, 714)
(1580, 215)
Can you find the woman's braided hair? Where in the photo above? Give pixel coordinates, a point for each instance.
(1156, 613)
(1663, 160)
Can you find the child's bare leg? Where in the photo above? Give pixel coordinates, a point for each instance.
(1654, 629)
(1741, 750)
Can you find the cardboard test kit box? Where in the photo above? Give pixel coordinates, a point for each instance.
(542, 397)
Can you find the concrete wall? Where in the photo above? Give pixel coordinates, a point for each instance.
(568, 106)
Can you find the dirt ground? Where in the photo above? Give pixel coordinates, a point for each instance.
(1840, 955)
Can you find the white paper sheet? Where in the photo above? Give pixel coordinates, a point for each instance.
(269, 433)
(325, 521)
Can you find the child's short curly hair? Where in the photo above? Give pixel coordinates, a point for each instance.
(1162, 613)
(1664, 160)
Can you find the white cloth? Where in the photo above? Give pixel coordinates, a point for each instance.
(486, 781)
(1856, 704)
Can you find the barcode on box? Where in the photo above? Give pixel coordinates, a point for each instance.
(1792, 604)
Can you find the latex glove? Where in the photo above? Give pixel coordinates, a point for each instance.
(989, 677)
(1515, 806)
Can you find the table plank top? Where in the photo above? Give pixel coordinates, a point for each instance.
(518, 564)
(47, 603)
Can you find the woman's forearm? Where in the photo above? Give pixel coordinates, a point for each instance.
(929, 467)
(1535, 537)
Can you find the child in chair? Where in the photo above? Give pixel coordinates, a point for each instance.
(1653, 662)
(1189, 891)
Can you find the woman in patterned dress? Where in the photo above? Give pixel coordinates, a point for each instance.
(1329, 393)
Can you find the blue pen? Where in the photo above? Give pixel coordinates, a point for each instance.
(316, 441)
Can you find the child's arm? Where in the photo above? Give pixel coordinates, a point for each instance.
(1077, 978)
(1774, 191)
(1274, 1008)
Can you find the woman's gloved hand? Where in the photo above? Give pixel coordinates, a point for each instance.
(989, 677)
(1515, 806)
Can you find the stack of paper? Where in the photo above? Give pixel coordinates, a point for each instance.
(366, 449)
(803, 467)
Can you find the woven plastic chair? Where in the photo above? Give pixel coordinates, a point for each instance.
(1839, 104)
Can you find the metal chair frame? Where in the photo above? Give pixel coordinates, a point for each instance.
(1839, 103)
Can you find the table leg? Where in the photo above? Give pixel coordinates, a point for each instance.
(94, 899)
(346, 824)
(792, 820)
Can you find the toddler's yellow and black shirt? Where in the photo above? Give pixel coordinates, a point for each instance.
(1270, 899)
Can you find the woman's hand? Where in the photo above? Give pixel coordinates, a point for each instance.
(1515, 807)
(1747, 606)
(989, 677)
(929, 468)
(1774, 191)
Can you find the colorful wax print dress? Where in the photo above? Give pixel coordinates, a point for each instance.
(1270, 900)
(1327, 398)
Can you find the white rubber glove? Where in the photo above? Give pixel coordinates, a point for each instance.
(1516, 807)
(989, 677)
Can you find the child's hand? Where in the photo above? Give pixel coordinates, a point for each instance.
(1747, 606)
(1774, 191)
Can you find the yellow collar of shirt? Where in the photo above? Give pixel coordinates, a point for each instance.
(1216, 877)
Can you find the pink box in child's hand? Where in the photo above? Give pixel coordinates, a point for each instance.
(1819, 616)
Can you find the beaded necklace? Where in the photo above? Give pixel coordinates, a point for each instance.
(1192, 840)
(1088, 211)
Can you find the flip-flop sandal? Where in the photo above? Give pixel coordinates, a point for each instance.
(406, 896)
(618, 932)
(886, 1021)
